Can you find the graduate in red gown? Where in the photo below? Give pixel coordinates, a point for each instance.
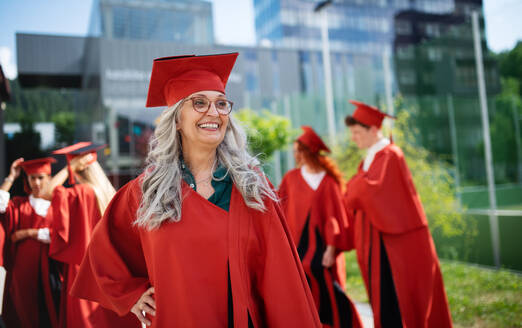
(198, 240)
(75, 212)
(311, 198)
(32, 288)
(395, 250)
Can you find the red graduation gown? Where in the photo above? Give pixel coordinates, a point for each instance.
(186, 262)
(28, 299)
(389, 216)
(75, 214)
(315, 218)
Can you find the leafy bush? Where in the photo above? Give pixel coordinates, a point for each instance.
(266, 132)
(64, 123)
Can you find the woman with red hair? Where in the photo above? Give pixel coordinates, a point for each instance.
(311, 198)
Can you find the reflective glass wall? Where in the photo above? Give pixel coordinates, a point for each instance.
(189, 22)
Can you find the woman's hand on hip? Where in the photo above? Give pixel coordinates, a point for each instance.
(145, 305)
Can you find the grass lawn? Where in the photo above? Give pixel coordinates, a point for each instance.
(478, 297)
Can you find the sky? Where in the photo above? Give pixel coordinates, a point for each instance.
(233, 23)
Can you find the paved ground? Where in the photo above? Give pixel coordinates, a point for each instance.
(365, 311)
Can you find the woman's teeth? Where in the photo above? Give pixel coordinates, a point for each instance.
(209, 125)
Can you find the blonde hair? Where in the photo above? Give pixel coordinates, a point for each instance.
(161, 184)
(94, 176)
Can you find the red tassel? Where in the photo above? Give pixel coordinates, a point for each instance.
(71, 174)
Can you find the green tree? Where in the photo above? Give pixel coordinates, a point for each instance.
(503, 132)
(510, 63)
(508, 108)
(64, 123)
(266, 132)
(41, 104)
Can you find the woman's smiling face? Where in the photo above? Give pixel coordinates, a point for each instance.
(202, 128)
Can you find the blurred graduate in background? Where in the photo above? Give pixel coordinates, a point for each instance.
(311, 198)
(32, 290)
(394, 247)
(75, 212)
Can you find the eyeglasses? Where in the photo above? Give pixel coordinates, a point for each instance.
(202, 105)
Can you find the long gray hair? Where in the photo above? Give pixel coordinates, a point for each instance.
(161, 186)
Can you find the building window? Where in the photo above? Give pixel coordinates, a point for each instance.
(251, 72)
(276, 83)
(406, 52)
(466, 76)
(403, 27)
(407, 77)
(402, 4)
(432, 30)
(434, 54)
(462, 53)
(427, 78)
(306, 72)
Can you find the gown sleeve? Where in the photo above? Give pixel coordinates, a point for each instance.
(75, 212)
(282, 284)
(336, 222)
(8, 218)
(9, 223)
(113, 271)
(387, 194)
(282, 192)
(4, 200)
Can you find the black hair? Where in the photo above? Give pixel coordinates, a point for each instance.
(350, 121)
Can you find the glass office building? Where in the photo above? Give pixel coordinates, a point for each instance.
(418, 50)
(354, 25)
(185, 21)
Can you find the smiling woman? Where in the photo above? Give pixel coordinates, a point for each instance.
(198, 239)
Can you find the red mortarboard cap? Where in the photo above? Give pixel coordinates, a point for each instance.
(368, 115)
(40, 165)
(175, 78)
(311, 140)
(78, 149)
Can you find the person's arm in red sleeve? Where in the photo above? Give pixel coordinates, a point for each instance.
(335, 223)
(113, 272)
(282, 282)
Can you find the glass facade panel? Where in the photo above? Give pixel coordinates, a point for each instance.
(168, 21)
(432, 58)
